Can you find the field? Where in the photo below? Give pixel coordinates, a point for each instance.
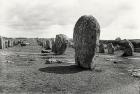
(24, 70)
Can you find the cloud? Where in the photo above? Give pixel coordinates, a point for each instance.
(125, 25)
(46, 18)
(39, 17)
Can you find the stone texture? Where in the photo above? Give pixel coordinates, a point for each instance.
(48, 45)
(117, 47)
(53, 44)
(60, 44)
(110, 48)
(10, 44)
(129, 48)
(43, 43)
(15, 42)
(6, 43)
(97, 49)
(2, 43)
(86, 37)
(101, 48)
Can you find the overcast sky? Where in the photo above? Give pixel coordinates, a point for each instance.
(46, 18)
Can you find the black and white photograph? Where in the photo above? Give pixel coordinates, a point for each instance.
(69, 47)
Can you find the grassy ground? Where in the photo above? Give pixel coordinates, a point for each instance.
(23, 70)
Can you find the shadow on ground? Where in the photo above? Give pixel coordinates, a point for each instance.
(69, 69)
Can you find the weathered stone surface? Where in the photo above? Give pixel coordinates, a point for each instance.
(117, 47)
(48, 44)
(101, 48)
(129, 48)
(97, 43)
(39, 41)
(106, 49)
(60, 44)
(44, 43)
(1, 43)
(53, 44)
(10, 43)
(15, 42)
(6, 43)
(110, 48)
(86, 37)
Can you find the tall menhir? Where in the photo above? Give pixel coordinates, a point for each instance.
(86, 37)
(1, 42)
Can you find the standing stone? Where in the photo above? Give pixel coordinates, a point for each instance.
(106, 49)
(101, 48)
(48, 44)
(52, 40)
(117, 47)
(9, 43)
(60, 44)
(129, 48)
(85, 37)
(53, 44)
(43, 43)
(12, 43)
(6, 43)
(110, 48)
(1, 43)
(15, 42)
(53, 47)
